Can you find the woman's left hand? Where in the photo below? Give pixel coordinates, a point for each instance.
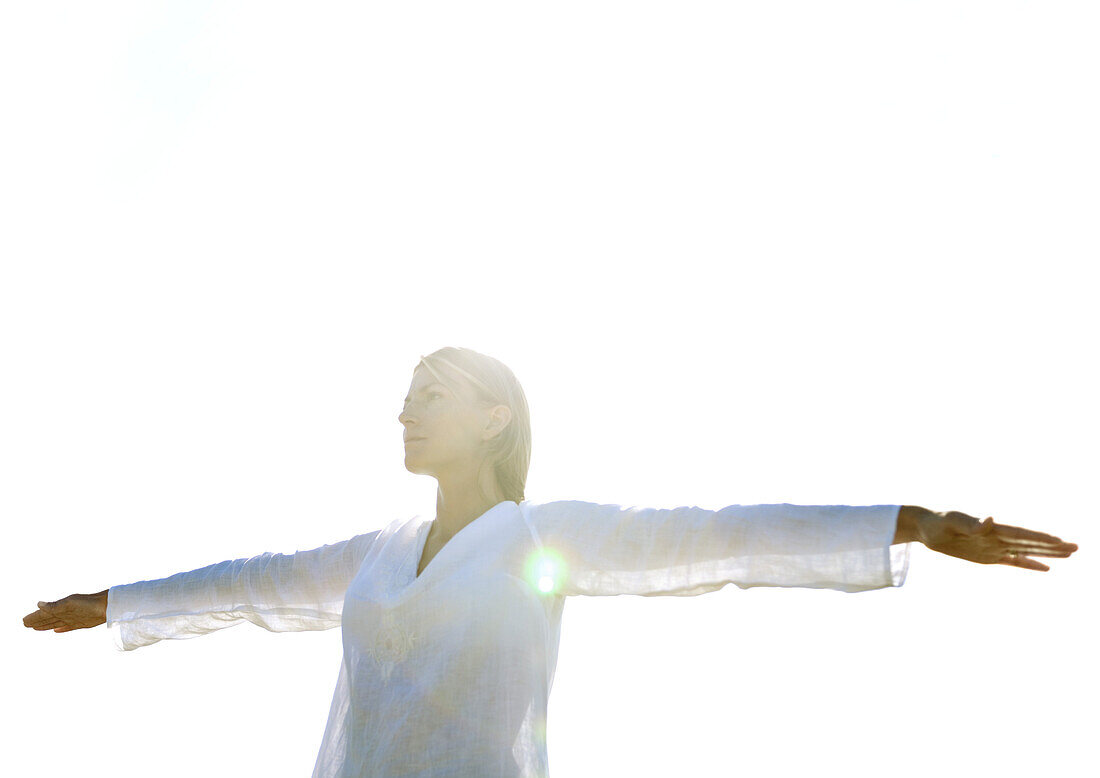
(959, 535)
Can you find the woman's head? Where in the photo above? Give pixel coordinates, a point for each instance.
(466, 408)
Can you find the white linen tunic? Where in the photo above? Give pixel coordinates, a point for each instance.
(449, 673)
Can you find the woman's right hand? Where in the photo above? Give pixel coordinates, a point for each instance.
(77, 611)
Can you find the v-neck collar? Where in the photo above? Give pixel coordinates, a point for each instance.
(422, 540)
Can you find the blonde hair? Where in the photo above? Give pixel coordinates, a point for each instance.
(509, 453)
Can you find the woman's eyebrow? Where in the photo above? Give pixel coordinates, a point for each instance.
(424, 388)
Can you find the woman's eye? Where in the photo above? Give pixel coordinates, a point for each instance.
(433, 395)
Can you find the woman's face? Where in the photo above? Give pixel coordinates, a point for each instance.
(442, 429)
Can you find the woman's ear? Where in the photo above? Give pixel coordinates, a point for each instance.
(499, 417)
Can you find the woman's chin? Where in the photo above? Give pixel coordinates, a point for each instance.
(414, 468)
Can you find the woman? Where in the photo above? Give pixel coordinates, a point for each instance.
(451, 626)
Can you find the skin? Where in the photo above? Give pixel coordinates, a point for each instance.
(456, 427)
(985, 542)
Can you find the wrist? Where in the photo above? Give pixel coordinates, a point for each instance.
(101, 604)
(911, 520)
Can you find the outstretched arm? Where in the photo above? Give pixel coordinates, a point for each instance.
(280, 592)
(986, 542)
(595, 549)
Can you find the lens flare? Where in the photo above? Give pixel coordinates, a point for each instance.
(545, 571)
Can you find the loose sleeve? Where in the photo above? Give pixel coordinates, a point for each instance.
(279, 592)
(610, 549)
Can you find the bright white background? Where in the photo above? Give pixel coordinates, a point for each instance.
(807, 252)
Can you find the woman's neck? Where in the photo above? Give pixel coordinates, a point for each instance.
(460, 501)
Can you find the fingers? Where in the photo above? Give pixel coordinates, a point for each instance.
(1028, 542)
(49, 622)
(1032, 551)
(1007, 531)
(47, 612)
(1024, 562)
(42, 622)
(1023, 543)
(77, 611)
(36, 618)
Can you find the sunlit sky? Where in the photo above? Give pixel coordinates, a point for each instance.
(803, 252)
